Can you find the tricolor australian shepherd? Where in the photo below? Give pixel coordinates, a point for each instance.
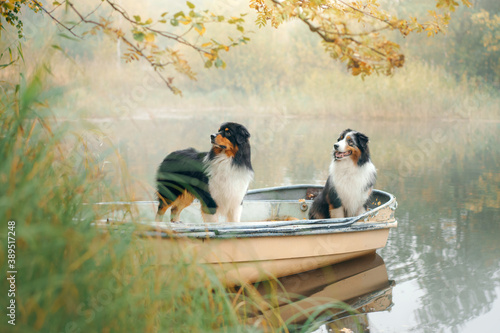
(218, 178)
(351, 180)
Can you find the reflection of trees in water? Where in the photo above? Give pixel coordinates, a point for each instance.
(457, 275)
(447, 238)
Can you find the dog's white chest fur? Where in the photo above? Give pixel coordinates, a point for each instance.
(228, 185)
(352, 184)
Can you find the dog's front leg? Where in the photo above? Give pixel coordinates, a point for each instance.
(210, 217)
(337, 213)
(234, 215)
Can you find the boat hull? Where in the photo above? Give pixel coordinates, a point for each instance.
(248, 260)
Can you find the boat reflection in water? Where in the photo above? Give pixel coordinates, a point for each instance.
(335, 298)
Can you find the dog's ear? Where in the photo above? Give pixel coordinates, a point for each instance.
(363, 140)
(242, 135)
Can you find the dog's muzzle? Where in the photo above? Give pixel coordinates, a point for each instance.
(212, 140)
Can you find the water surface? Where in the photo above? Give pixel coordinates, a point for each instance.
(445, 254)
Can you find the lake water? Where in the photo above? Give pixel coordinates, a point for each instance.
(444, 257)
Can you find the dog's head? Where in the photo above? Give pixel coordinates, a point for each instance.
(230, 138)
(353, 145)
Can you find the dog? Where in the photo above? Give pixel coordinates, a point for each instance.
(351, 179)
(219, 178)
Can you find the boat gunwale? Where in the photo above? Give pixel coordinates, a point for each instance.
(361, 227)
(226, 230)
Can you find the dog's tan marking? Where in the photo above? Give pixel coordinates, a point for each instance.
(161, 208)
(181, 202)
(230, 149)
(355, 154)
(217, 150)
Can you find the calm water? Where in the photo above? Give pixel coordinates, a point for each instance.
(445, 254)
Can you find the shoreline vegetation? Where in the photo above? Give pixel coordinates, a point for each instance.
(335, 93)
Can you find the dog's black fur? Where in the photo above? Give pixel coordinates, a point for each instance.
(186, 174)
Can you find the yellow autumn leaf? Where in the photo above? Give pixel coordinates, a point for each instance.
(200, 31)
(356, 71)
(150, 37)
(206, 44)
(185, 20)
(210, 56)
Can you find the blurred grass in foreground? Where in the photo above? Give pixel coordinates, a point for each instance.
(73, 277)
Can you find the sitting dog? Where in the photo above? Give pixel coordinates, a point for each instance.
(351, 179)
(218, 178)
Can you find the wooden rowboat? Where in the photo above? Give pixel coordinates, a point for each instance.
(275, 237)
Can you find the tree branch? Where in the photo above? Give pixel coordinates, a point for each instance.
(365, 13)
(155, 65)
(92, 12)
(345, 36)
(165, 34)
(55, 19)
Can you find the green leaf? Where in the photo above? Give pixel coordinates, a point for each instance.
(174, 22)
(20, 51)
(137, 18)
(181, 13)
(163, 15)
(240, 28)
(190, 5)
(10, 63)
(139, 36)
(208, 64)
(219, 63)
(68, 37)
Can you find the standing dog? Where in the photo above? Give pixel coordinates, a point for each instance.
(218, 178)
(351, 180)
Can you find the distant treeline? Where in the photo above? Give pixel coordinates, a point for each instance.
(471, 46)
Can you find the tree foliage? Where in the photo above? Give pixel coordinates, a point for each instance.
(489, 26)
(10, 11)
(354, 32)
